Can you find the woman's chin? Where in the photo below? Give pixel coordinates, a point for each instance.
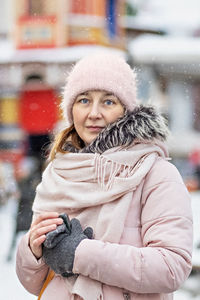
(89, 140)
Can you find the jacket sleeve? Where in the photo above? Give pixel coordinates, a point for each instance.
(30, 271)
(164, 261)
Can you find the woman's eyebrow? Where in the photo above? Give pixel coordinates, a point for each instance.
(109, 94)
(83, 94)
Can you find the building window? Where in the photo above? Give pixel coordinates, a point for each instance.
(35, 7)
(196, 106)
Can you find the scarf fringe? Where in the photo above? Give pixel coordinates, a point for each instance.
(81, 286)
(104, 166)
(100, 297)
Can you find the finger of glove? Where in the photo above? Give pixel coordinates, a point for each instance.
(88, 232)
(66, 221)
(55, 236)
(76, 227)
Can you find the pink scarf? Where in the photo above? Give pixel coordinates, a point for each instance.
(98, 189)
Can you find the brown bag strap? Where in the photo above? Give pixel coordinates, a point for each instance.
(48, 279)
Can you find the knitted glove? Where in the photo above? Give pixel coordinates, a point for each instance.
(60, 245)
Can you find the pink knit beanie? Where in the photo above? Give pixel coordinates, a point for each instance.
(101, 71)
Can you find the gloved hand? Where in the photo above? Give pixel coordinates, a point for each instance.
(60, 245)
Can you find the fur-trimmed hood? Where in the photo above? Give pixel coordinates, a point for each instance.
(143, 124)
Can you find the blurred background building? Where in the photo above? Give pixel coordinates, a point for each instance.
(39, 42)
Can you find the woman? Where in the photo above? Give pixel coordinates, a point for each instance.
(130, 234)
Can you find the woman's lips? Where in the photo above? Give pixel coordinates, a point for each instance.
(94, 128)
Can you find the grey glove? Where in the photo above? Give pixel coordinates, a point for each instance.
(60, 245)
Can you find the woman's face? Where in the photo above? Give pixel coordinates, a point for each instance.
(94, 110)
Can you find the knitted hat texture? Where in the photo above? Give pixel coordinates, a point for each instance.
(101, 71)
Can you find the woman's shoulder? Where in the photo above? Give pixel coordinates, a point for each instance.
(165, 190)
(163, 171)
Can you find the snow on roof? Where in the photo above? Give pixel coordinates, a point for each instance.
(141, 23)
(8, 54)
(172, 16)
(165, 49)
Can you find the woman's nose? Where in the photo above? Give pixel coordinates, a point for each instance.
(94, 111)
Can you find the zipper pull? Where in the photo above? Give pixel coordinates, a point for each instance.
(127, 296)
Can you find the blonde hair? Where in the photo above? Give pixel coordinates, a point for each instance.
(68, 134)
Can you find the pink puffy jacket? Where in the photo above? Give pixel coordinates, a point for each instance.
(154, 255)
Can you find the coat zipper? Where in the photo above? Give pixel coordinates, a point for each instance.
(127, 296)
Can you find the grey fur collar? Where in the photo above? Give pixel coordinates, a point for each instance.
(143, 124)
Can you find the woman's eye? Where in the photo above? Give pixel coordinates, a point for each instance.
(84, 100)
(109, 102)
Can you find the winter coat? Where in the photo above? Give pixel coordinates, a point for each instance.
(153, 257)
